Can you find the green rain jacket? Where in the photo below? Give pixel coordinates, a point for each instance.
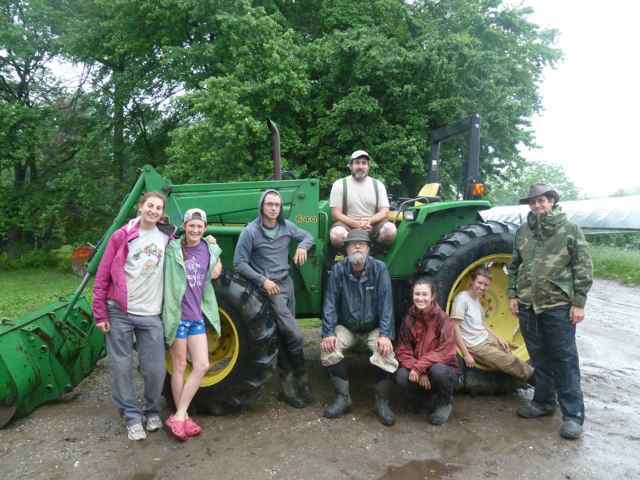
(175, 286)
(551, 263)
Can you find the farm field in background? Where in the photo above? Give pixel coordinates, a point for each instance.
(26, 290)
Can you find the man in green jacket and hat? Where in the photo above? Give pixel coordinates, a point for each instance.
(550, 275)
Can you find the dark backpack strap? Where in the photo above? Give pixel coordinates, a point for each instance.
(375, 189)
(344, 196)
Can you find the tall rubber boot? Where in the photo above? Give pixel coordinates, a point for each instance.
(383, 408)
(301, 378)
(288, 390)
(342, 402)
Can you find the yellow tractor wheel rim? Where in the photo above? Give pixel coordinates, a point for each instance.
(223, 352)
(498, 316)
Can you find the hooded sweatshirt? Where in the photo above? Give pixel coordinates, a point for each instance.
(263, 253)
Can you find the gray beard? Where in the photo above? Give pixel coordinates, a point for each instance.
(359, 177)
(357, 259)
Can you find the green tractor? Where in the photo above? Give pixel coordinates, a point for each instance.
(47, 353)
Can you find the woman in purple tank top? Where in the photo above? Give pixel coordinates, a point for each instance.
(189, 300)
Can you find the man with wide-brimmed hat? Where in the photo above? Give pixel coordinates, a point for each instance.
(358, 306)
(550, 275)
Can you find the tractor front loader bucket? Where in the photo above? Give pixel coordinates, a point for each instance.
(44, 355)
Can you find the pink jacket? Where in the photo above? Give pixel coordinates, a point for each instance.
(110, 282)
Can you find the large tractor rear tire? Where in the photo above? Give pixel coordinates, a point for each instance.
(449, 264)
(242, 357)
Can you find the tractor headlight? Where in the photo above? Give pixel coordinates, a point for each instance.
(409, 215)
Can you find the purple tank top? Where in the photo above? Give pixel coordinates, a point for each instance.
(196, 264)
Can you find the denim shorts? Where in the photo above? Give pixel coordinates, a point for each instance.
(188, 328)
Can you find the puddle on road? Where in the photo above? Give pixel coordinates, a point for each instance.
(420, 470)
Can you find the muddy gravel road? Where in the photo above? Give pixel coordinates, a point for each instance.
(83, 438)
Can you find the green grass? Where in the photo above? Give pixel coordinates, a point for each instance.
(616, 264)
(310, 323)
(22, 291)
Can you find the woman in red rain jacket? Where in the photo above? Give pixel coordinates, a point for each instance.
(426, 350)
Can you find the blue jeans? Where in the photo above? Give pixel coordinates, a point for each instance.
(551, 341)
(149, 334)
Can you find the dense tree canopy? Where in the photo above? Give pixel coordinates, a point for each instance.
(187, 85)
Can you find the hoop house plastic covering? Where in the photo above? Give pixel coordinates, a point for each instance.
(602, 214)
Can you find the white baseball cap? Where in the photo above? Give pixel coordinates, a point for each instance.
(358, 154)
(195, 214)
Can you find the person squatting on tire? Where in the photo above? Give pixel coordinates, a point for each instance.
(127, 301)
(261, 256)
(359, 201)
(190, 265)
(477, 342)
(550, 275)
(358, 304)
(426, 350)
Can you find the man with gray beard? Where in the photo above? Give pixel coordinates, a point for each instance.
(358, 306)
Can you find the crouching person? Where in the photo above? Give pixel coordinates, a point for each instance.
(426, 351)
(358, 303)
(262, 256)
(475, 340)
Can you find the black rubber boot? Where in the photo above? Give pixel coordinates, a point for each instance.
(342, 402)
(383, 409)
(289, 391)
(301, 378)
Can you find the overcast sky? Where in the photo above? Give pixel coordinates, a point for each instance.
(591, 121)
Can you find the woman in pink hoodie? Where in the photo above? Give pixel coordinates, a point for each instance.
(127, 301)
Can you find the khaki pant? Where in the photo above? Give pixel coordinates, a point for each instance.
(489, 354)
(346, 339)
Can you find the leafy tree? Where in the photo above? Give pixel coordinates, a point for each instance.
(187, 86)
(380, 75)
(260, 74)
(26, 46)
(508, 186)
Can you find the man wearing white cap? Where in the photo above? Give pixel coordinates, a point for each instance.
(360, 201)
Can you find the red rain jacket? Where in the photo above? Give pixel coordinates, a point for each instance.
(426, 338)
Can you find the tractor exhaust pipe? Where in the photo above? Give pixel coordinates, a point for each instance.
(275, 150)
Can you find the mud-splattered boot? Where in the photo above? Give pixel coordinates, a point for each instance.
(289, 392)
(383, 408)
(301, 378)
(342, 402)
(304, 388)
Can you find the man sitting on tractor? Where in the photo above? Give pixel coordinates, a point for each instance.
(360, 201)
(261, 256)
(475, 340)
(358, 306)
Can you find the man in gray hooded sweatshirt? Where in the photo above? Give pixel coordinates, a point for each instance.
(262, 256)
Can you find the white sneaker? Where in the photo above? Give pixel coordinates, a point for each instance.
(154, 423)
(135, 432)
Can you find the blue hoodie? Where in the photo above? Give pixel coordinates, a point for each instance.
(258, 257)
